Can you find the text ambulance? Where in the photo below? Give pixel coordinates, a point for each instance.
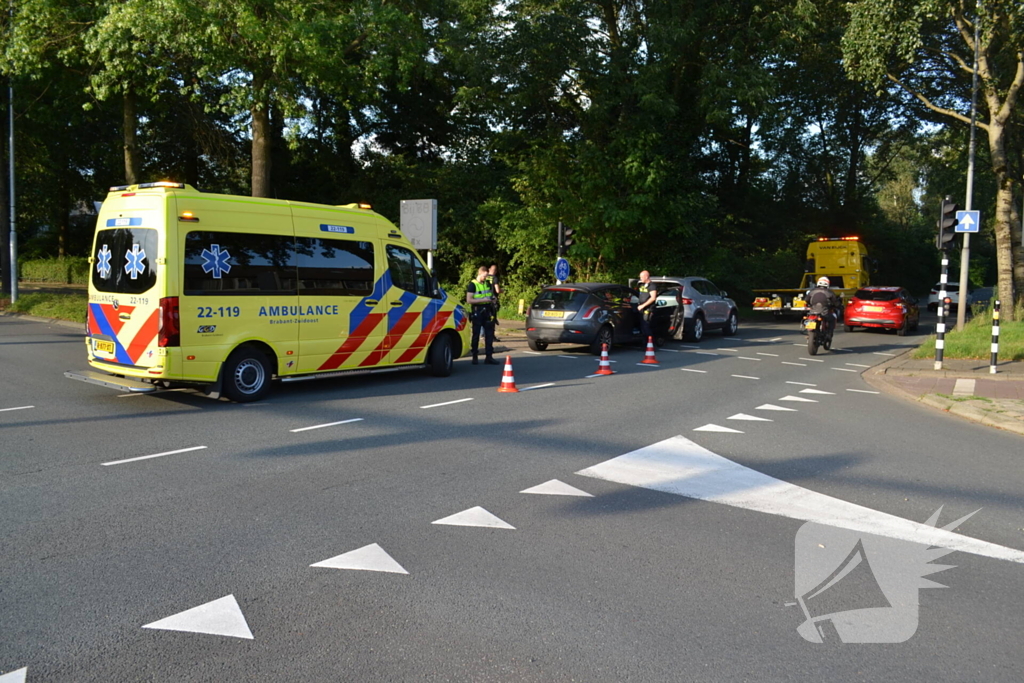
(229, 293)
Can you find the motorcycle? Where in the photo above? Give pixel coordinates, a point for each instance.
(819, 326)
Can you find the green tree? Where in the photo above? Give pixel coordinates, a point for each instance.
(926, 48)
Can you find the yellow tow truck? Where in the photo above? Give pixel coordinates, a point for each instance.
(843, 260)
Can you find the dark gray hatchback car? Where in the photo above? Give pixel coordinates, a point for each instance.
(590, 313)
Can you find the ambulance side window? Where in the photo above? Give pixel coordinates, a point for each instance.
(231, 263)
(329, 267)
(407, 272)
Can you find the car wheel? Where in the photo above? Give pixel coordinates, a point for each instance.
(441, 357)
(732, 325)
(696, 332)
(604, 336)
(246, 375)
(537, 345)
(849, 328)
(902, 329)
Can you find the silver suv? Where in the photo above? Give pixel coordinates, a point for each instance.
(698, 306)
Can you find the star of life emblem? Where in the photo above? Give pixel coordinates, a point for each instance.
(103, 262)
(215, 261)
(134, 265)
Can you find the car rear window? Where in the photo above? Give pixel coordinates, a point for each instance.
(563, 299)
(875, 295)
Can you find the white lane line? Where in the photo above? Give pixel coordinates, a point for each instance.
(329, 424)
(748, 358)
(749, 418)
(862, 391)
(844, 369)
(5, 410)
(538, 386)
(762, 353)
(883, 353)
(746, 377)
(799, 344)
(717, 428)
(705, 353)
(786, 362)
(155, 455)
(703, 372)
(649, 365)
(593, 376)
(858, 365)
(688, 346)
(669, 350)
(446, 403)
(682, 467)
(573, 357)
(719, 348)
(817, 391)
(802, 384)
(534, 353)
(813, 360)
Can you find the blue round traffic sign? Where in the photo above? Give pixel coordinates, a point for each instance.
(562, 269)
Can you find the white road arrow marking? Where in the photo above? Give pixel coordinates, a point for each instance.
(370, 558)
(817, 391)
(769, 406)
(475, 517)
(750, 418)
(222, 617)
(800, 399)
(15, 676)
(556, 488)
(717, 428)
(682, 467)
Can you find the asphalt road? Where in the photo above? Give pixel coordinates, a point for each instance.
(630, 584)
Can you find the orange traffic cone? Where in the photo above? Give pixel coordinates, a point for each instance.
(508, 381)
(604, 367)
(649, 358)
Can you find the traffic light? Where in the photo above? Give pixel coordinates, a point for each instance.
(565, 239)
(946, 224)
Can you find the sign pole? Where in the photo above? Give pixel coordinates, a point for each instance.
(10, 187)
(965, 252)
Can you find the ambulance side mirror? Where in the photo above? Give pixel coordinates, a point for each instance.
(435, 287)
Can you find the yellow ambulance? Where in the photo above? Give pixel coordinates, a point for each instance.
(229, 293)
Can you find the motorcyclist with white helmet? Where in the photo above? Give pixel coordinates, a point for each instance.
(825, 299)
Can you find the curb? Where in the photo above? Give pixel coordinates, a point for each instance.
(47, 321)
(875, 377)
(949, 374)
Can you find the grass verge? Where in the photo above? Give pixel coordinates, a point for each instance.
(47, 305)
(975, 341)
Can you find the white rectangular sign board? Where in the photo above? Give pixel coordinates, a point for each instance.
(419, 222)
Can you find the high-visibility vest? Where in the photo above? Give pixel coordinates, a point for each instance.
(483, 289)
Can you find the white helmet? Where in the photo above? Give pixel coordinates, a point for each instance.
(823, 281)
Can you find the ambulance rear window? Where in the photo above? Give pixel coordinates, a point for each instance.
(125, 260)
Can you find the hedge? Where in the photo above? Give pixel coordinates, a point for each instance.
(70, 270)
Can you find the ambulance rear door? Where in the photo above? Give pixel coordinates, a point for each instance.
(127, 283)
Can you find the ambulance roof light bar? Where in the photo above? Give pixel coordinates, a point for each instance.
(838, 239)
(170, 184)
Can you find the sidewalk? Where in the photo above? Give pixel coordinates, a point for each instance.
(963, 387)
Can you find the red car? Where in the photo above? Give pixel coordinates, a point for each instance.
(886, 307)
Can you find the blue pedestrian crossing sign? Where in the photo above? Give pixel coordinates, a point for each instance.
(968, 221)
(562, 269)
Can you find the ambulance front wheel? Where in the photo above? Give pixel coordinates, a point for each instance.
(246, 375)
(441, 357)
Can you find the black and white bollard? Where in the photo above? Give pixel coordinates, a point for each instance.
(994, 361)
(940, 327)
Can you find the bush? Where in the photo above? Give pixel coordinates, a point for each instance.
(70, 270)
(46, 305)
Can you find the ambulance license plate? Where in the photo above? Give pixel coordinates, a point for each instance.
(103, 346)
(552, 314)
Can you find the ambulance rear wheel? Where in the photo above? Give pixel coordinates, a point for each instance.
(441, 357)
(246, 375)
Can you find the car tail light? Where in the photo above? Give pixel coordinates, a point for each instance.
(531, 329)
(686, 302)
(590, 312)
(170, 322)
